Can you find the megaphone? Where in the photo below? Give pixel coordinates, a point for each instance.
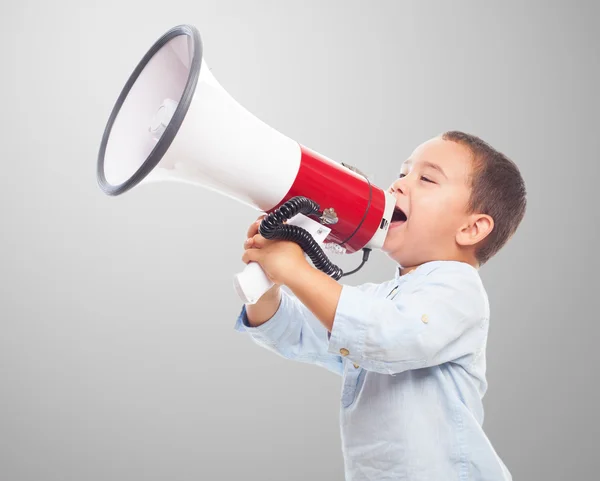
(174, 122)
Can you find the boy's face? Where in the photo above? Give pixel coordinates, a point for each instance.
(435, 203)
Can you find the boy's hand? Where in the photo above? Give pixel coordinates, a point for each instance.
(284, 263)
(278, 258)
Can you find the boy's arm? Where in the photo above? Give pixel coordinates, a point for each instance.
(265, 307)
(444, 318)
(318, 292)
(282, 324)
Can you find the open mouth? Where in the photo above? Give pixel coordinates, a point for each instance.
(398, 216)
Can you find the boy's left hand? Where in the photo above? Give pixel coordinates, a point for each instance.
(279, 259)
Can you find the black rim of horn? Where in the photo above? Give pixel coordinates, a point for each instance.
(167, 138)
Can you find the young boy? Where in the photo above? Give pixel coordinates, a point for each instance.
(411, 350)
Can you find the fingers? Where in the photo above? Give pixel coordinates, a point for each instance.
(257, 242)
(253, 229)
(250, 255)
(253, 237)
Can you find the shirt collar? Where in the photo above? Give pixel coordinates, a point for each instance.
(398, 276)
(397, 272)
(424, 268)
(402, 277)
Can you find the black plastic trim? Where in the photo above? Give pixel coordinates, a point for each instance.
(171, 131)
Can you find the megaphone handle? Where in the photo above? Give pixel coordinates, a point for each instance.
(252, 282)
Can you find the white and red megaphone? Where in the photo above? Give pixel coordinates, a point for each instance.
(173, 121)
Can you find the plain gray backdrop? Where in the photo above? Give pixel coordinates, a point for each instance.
(118, 358)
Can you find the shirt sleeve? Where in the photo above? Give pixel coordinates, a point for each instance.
(293, 333)
(443, 318)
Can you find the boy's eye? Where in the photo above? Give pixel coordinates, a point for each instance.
(426, 179)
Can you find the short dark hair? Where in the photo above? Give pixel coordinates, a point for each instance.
(497, 190)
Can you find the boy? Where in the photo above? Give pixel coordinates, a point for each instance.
(411, 350)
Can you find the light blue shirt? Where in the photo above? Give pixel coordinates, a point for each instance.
(411, 353)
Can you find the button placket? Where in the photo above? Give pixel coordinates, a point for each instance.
(351, 384)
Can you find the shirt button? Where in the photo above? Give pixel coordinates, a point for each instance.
(356, 366)
(344, 351)
(425, 318)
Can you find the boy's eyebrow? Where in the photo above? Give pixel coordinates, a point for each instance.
(427, 163)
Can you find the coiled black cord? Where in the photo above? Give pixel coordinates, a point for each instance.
(273, 227)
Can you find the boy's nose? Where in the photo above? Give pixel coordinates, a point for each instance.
(397, 187)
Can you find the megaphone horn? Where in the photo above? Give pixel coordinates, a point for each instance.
(174, 121)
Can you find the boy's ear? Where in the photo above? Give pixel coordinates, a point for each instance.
(477, 228)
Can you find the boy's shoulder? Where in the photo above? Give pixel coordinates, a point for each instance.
(453, 275)
(456, 281)
(445, 268)
(453, 282)
(452, 285)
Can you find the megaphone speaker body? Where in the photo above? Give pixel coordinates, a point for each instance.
(174, 121)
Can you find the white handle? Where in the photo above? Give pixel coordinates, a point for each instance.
(252, 282)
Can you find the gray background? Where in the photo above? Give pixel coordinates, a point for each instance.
(118, 358)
